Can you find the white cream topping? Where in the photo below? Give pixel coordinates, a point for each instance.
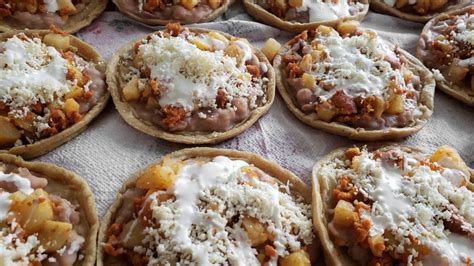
(22, 184)
(414, 201)
(190, 77)
(320, 10)
(30, 72)
(356, 73)
(4, 205)
(196, 232)
(51, 5)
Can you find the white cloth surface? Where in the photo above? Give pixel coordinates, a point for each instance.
(110, 151)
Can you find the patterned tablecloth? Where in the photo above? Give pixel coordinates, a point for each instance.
(110, 151)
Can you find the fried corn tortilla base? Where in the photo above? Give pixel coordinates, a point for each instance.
(425, 105)
(74, 22)
(69, 186)
(272, 169)
(262, 15)
(43, 146)
(323, 201)
(116, 82)
(462, 93)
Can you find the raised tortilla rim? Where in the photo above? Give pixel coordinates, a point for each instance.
(381, 7)
(75, 22)
(126, 110)
(258, 161)
(454, 90)
(260, 14)
(161, 22)
(79, 191)
(43, 146)
(425, 104)
(322, 197)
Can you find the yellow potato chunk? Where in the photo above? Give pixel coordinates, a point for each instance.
(33, 211)
(400, 3)
(157, 177)
(456, 72)
(217, 36)
(9, 134)
(281, 4)
(298, 258)
(53, 235)
(376, 244)
(270, 48)
(66, 6)
(70, 107)
(76, 92)
(233, 51)
(447, 156)
(31, 6)
(131, 91)
(189, 4)
(396, 104)
(347, 27)
(59, 41)
(295, 3)
(255, 231)
(324, 30)
(343, 213)
(306, 62)
(132, 234)
(201, 45)
(325, 111)
(215, 4)
(308, 81)
(379, 107)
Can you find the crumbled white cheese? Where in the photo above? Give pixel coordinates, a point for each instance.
(190, 77)
(465, 25)
(193, 228)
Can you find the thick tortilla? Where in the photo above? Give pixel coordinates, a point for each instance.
(74, 22)
(425, 105)
(161, 22)
(463, 94)
(43, 146)
(381, 7)
(323, 201)
(260, 14)
(115, 82)
(69, 186)
(272, 169)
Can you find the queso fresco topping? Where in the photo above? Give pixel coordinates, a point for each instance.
(351, 76)
(211, 211)
(44, 88)
(182, 80)
(392, 206)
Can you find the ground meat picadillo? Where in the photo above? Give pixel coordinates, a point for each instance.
(169, 11)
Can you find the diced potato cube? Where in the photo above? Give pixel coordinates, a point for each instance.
(298, 258)
(214, 4)
(201, 45)
(131, 91)
(157, 177)
(308, 81)
(379, 107)
(132, 234)
(281, 4)
(396, 104)
(255, 231)
(33, 211)
(376, 244)
(217, 36)
(271, 48)
(318, 55)
(325, 111)
(306, 63)
(59, 41)
(71, 107)
(75, 74)
(9, 134)
(234, 51)
(25, 123)
(324, 30)
(295, 3)
(400, 3)
(31, 6)
(343, 213)
(76, 92)
(66, 7)
(347, 27)
(447, 156)
(189, 4)
(53, 235)
(456, 72)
